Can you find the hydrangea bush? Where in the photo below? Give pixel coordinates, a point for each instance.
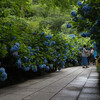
(87, 20)
(39, 50)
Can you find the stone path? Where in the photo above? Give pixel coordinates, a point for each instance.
(75, 83)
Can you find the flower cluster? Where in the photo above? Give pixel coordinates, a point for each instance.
(69, 26)
(53, 43)
(27, 68)
(3, 74)
(79, 3)
(19, 63)
(86, 8)
(85, 18)
(48, 36)
(87, 34)
(42, 33)
(34, 68)
(74, 13)
(15, 47)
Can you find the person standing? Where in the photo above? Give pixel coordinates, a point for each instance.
(92, 56)
(84, 57)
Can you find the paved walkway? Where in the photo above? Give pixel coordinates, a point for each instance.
(75, 83)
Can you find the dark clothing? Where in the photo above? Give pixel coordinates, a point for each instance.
(92, 58)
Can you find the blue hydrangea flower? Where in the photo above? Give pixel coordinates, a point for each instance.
(79, 3)
(34, 69)
(49, 36)
(14, 37)
(17, 44)
(49, 44)
(42, 33)
(87, 34)
(30, 48)
(73, 36)
(54, 52)
(75, 19)
(19, 63)
(26, 68)
(66, 44)
(69, 26)
(83, 34)
(41, 66)
(44, 65)
(46, 36)
(74, 13)
(80, 48)
(45, 61)
(47, 68)
(51, 65)
(32, 54)
(65, 57)
(2, 69)
(18, 56)
(66, 51)
(55, 59)
(46, 43)
(86, 8)
(10, 24)
(4, 75)
(5, 48)
(37, 48)
(58, 55)
(14, 48)
(82, 18)
(66, 48)
(89, 8)
(53, 43)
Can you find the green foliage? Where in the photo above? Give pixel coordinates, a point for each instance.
(58, 3)
(55, 22)
(88, 20)
(33, 34)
